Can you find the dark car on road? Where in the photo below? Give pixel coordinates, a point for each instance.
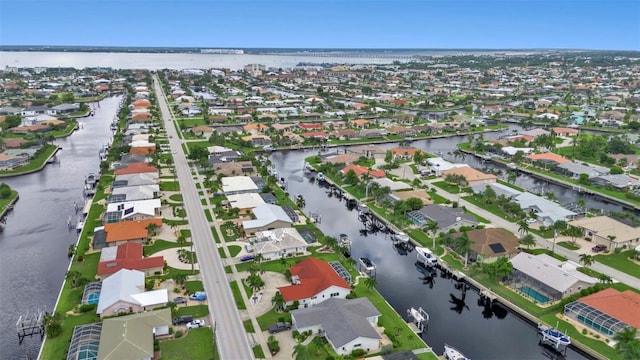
(599, 248)
(279, 326)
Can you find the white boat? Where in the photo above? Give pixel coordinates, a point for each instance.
(400, 237)
(425, 256)
(367, 264)
(553, 337)
(451, 353)
(79, 226)
(344, 240)
(320, 177)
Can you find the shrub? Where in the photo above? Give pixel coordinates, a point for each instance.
(295, 333)
(584, 331)
(87, 307)
(358, 352)
(178, 334)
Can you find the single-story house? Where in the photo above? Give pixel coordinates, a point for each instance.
(119, 233)
(124, 292)
(347, 325)
(608, 311)
(238, 185)
(134, 193)
(245, 202)
(471, 175)
(574, 169)
(313, 281)
(136, 168)
(546, 211)
(545, 278)
(437, 165)
(131, 337)
(621, 182)
(267, 216)
(607, 231)
(128, 256)
(487, 245)
(132, 210)
(279, 243)
(361, 170)
(446, 217)
(135, 179)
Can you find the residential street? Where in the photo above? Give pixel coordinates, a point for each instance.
(232, 341)
(543, 243)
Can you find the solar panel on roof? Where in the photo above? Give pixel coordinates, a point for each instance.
(128, 211)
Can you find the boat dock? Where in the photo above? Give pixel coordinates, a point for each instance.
(418, 319)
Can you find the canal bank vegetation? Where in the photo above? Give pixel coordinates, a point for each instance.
(36, 162)
(8, 196)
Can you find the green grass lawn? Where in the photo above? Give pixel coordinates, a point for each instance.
(8, 200)
(248, 326)
(197, 311)
(169, 186)
(197, 344)
(159, 245)
(176, 198)
(450, 188)
(258, 353)
(193, 286)
(437, 199)
(568, 245)
(272, 317)
(620, 262)
(234, 250)
(237, 296)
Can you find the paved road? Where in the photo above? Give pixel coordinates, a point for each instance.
(230, 334)
(542, 242)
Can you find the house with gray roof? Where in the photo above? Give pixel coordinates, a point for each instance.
(548, 212)
(135, 179)
(574, 169)
(542, 276)
(133, 193)
(346, 324)
(279, 243)
(124, 292)
(66, 108)
(446, 217)
(499, 189)
(267, 216)
(618, 181)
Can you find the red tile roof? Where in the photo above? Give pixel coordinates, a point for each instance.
(624, 306)
(309, 126)
(549, 157)
(315, 134)
(129, 230)
(143, 150)
(361, 170)
(129, 256)
(315, 276)
(137, 168)
(405, 151)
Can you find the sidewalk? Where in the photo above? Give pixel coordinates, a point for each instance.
(574, 256)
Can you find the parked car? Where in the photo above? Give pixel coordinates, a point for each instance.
(278, 327)
(195, 324)
(179, 300)
(200, 295)
(249, 247)
(531, 220)
(182, 319)
(246, 258)
(599, 248)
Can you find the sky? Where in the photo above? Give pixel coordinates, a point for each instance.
(415, 24)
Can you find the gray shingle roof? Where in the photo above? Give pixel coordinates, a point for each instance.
(342, 320)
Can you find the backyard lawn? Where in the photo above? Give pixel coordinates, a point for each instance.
(195, 345)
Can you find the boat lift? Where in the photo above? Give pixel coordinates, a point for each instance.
(419, 317)
(554, 338)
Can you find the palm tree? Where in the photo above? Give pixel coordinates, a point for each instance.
(278, 301)
(523, 226)
(301, 352)
(257, 258)
(528, 241)
(605, 279)
(574, 232)
(627, 344)
(179, 278)
(181, 240)
(432, 227)
(464, 245)
(331, 242)
(586, 260)
(284, 262)
(370, 282)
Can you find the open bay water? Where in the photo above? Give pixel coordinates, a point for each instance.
(34, 244)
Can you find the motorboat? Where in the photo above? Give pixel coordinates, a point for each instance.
(320, 177)
(425, 256)
(451, 353)
(553, 337)
(367, 264)
(400, 237)
(344, 240)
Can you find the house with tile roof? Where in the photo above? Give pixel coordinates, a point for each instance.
(404, 153)
(607, 231)
(472, 176)
(548, 158)
(487, 245)
(347, 325)
(126, 231)
(136, 168)
(128, 256)
(608, 311)
(361, 170)
(313, 281)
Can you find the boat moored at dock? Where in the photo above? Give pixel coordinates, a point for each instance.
(553, 337)
(400, 237)
(425, 256)
(451, 353)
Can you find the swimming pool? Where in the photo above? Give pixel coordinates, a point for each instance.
(538, 297)
(93, 298)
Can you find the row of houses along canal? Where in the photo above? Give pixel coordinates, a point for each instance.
(458, 315)
(34, 245)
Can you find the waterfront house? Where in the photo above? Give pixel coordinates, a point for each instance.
(620, 182)
(267, 216)
(149, 178)
(487, 245)
(546, 211)
(132, 210)
(574, 169)
(136, 168)
(404, 153)
(128, 256)
(408, 194)
(114, 234)
(255, 128)
(472, 176)
(608, 311)
(361, 170)
(134, 193)
(607, 231)
(245, 202)
(499, 189)
(437, 165)
(258, 140)
(124, 292)
(347, 325)
(313, 281)
(132, 337)
(545, 278)
(548, 158)
(232, 185)
(10, 162)
(446, 217)
(346, 159)
(279, 243)
(233, 168)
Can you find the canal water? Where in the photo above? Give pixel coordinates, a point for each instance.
(456, 316)
(33, 246)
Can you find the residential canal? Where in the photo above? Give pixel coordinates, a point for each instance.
(33, 246)
(456, 316)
